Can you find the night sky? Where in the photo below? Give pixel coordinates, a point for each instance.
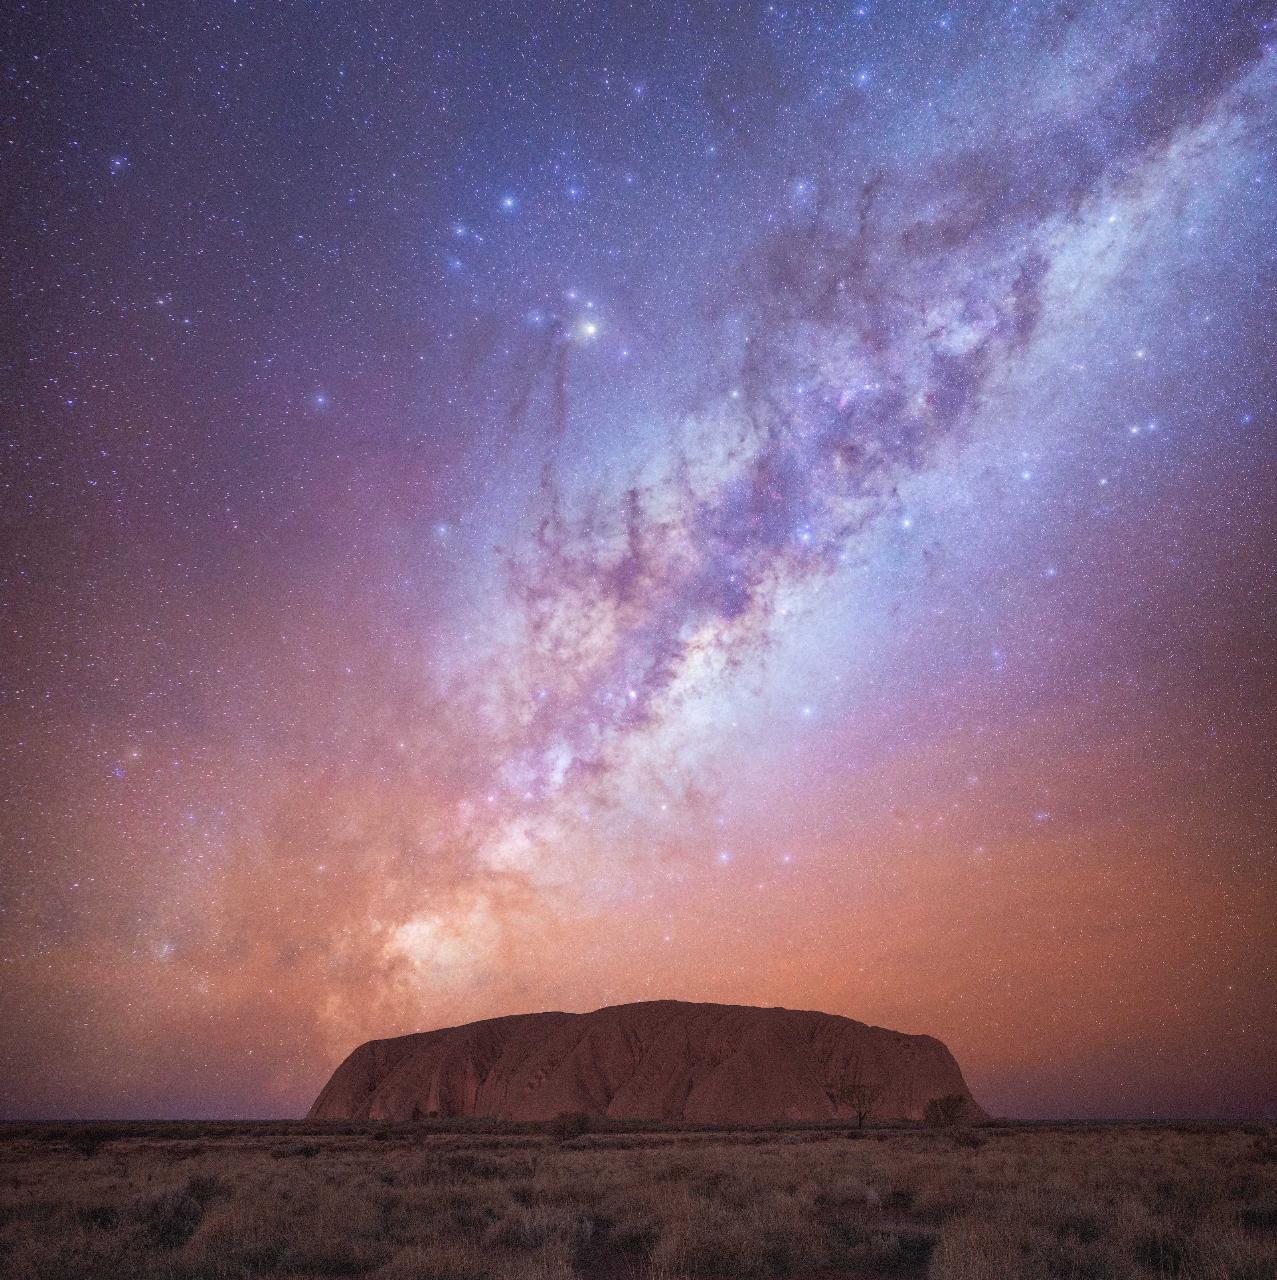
(533, 506)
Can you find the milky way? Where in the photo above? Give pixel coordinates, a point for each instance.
(524, 510)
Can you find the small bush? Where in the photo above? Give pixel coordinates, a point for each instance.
(435, 1262)
(169, 1219)
(102, 1217)
(88, 1142)
(304, 1150)
(946, 1111)
(570, 1124)
(203, 1187)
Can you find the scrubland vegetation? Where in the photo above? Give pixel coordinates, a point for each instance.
(217, 1202)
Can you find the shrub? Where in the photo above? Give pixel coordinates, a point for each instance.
(945, 1111)
(569, 1124)
(306, 1150)
(169, 1219)
(203, 1187)
(449, 1261)
(88, 1142)
(103, 1217)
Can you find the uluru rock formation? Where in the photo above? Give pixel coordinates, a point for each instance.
(658, 1060)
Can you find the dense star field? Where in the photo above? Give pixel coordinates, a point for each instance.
(516, 507)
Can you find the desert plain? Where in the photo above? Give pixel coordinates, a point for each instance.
(467, 1200)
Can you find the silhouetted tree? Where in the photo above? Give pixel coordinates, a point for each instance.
(859, 1092)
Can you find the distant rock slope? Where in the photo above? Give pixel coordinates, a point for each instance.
(659, 1060)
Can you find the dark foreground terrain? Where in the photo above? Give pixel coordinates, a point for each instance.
(198, 1202)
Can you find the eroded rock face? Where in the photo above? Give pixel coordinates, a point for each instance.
(659, 1060)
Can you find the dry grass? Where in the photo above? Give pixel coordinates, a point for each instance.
(225, 1201)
